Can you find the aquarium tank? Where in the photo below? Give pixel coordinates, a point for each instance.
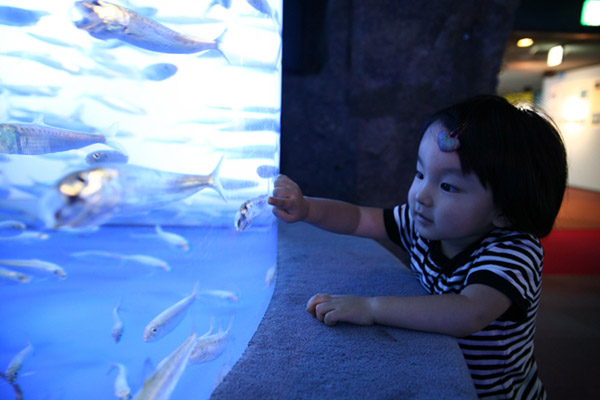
(139, 141)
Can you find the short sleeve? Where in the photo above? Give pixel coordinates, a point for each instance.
(513, 267)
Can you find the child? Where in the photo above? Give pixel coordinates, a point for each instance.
(489, 182)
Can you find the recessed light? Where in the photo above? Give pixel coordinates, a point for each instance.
(524, 42)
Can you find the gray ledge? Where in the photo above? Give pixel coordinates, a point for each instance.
(294, 356)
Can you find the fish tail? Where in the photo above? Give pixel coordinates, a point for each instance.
(218, 40)
(215, 182)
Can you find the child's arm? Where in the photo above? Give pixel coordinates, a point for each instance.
(458, 315)
(332, 215)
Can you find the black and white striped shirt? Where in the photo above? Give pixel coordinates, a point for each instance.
(499, 357)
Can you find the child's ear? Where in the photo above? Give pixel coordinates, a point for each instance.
(501, 221)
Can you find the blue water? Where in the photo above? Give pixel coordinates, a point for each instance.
(177, 113)
(69, 321)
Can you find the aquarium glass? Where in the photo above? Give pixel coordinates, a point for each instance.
(139, 140)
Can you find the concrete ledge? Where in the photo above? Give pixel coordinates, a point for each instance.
(293, 356)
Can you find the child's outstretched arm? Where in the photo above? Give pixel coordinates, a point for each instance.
(290, 205)
(453, 314)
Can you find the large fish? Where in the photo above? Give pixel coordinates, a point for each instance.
(105, 20)
(92, 196)
(161, 383)
(35, 139)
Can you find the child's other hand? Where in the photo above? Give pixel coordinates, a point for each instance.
(288, 201)
(332, 309)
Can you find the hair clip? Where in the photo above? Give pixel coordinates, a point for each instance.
(449, 141)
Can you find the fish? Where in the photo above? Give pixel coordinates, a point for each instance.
(270, 275)
(35, 139)
(222, 294)
(117, 329)
(14, 276)
(122, 389)
(167, 320)
(11, 228)
(162, 382)
(65, 65)
(106, 156)
(208, 347)
(159, 71)
(31, 90)
(104, 20)
(92, 196)
(27, 235)
(138, 258)
(14, 16)
(249, 211)
(147, 260)
(38, 265)
(173, 239)
(15, 365)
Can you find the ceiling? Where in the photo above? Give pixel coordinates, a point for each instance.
(548, 23)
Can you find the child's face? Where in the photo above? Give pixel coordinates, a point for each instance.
(446, 204)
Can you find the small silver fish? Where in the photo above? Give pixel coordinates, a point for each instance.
(249, 211)
(106, 156)
(138, 258)
(93, 196)
(9, 228)
(208, 347)
(162, 382)
(117, 329)
(122, 390)
(221, 294)
(104, 20)
(167, 320)
(36, 264)
(147, 260)
(14, 16)
(15, 365)
(32, 90)
(42, 139)
(173, 239)
(13, 276)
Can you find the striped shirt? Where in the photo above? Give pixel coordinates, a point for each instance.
(500, 357)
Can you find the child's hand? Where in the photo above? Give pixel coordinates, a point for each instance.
(288, 201)
(333, 308)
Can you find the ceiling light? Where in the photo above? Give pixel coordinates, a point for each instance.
(590, 13)
(555, 56)
(525, 42)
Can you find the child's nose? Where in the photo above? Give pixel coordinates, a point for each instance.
(424, 196)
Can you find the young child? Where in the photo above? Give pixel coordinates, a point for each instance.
(489, 182)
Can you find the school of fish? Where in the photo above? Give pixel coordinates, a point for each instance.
(100, 182)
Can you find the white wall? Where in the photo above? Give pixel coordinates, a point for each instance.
(572, 99)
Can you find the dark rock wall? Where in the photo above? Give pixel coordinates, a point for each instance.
(350, 128)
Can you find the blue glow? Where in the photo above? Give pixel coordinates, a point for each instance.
(173, 113)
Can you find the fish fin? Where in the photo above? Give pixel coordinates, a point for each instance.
(148, 369)
(39, 119)
(195, 290)
(216, 182)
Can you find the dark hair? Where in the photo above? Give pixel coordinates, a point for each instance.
(515, 151)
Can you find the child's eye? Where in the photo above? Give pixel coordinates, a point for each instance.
(419, 175)
(449, 188)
